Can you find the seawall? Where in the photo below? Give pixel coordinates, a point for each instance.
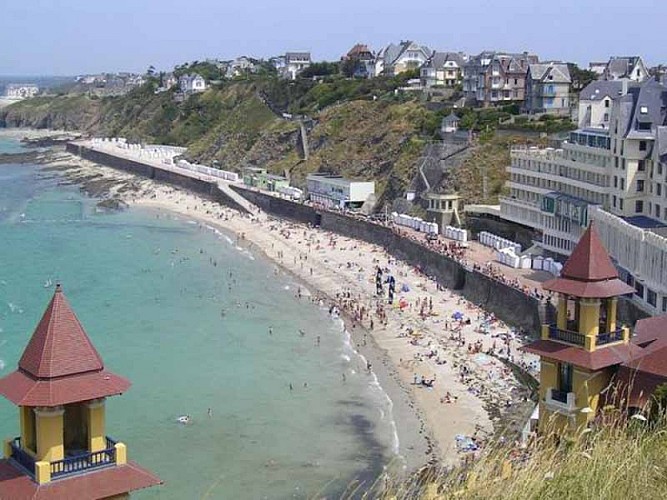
(507, 303)
(209, 190)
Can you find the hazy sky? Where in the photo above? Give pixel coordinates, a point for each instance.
(66, 37)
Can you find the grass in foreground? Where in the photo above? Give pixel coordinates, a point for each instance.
(616, 459)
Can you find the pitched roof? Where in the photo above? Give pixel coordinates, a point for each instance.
(589, 271)
(589, 260)
(60, 365)
(59, 346)
(552, 72)
(595, 360)
(101, 483)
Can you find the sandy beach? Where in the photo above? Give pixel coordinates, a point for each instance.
(438, 357)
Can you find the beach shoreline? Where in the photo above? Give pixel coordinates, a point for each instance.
(429, 420)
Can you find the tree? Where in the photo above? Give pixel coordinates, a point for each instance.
(320, 69)
(580, 77)
(151, 70)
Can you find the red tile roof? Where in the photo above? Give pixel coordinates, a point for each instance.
(101, 483)
(588, 289)
(60, 365)
(589, 260)
(589, 272)
(24, 390)
(59, 346)
(637, 386)
(600, 358)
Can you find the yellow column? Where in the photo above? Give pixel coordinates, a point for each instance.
(561, 318)
(26, 417)
(95, 419)
(589, 321)
(121, 454)
(611, 313)
(50, 434)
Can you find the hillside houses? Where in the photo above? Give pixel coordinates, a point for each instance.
(442, 69)
(361, 60)
(548, 88)
(492, 78)
(395, 59)
(190, 84)
(294, 63)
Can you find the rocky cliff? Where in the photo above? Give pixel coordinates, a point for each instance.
(233, 125)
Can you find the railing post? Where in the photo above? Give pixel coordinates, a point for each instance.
(42, 472)
(7, 448)
(121, 454)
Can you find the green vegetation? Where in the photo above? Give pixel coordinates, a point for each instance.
(362, 128)
(617, 459)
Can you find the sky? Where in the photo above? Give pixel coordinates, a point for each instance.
(70, 37)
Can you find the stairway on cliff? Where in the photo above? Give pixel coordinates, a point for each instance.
(240, 200)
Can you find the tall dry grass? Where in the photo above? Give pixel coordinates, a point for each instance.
(615, 458)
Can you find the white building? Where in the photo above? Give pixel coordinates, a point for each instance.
(395, 59)
(336, 191)
(626, 68)
(295, 63)
(190, 84)
(442, 69)
(21, 90)
(613, 170)
(240, 66)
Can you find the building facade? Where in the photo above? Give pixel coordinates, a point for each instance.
(548, 89)
(295, 63)
(334, 191)
(493, 78)
(190, 84)
(581, 352)
(398, 58)
(613, 169)
(362, 59)
(626, 68)
(21, 90)
(442, 69)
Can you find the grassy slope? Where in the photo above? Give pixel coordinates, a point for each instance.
(616, 461)
(360, 138)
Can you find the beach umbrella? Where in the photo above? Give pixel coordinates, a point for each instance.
(639, 416)
(458, 315)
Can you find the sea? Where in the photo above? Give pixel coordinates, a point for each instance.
(185, 314)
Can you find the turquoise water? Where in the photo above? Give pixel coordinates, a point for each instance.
(191, 337)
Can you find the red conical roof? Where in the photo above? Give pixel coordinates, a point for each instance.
(60, 365)
(589, 271)
(589, 260)
(59, 346)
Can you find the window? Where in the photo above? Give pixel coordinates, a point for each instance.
(622, 183)
(639, 206)
(641, 164)
(664, 304)
(620, 203)
(651, 297)
(616, 182)
(606, 117)
(659, 168)
(644, 126)
(606, 103)
(565, 377)
(615, 159)
(613, 201)
(640, 186)
(642, 109)
(642, 145)
(622, 163)
(657, 210)
(639, 289)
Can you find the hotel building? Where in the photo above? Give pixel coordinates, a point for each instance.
(612, 169)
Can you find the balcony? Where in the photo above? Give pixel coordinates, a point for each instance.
(73, 464)
(567, 336)
(560, 401)
(609, 337)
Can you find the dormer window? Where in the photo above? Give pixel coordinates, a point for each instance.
(643, 110)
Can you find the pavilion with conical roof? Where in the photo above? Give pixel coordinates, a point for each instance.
(60, 388)
(582, 350)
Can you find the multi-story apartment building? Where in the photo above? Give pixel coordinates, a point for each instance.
(548, 88)
(442, 68)
(496, 78)
(612, 169)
